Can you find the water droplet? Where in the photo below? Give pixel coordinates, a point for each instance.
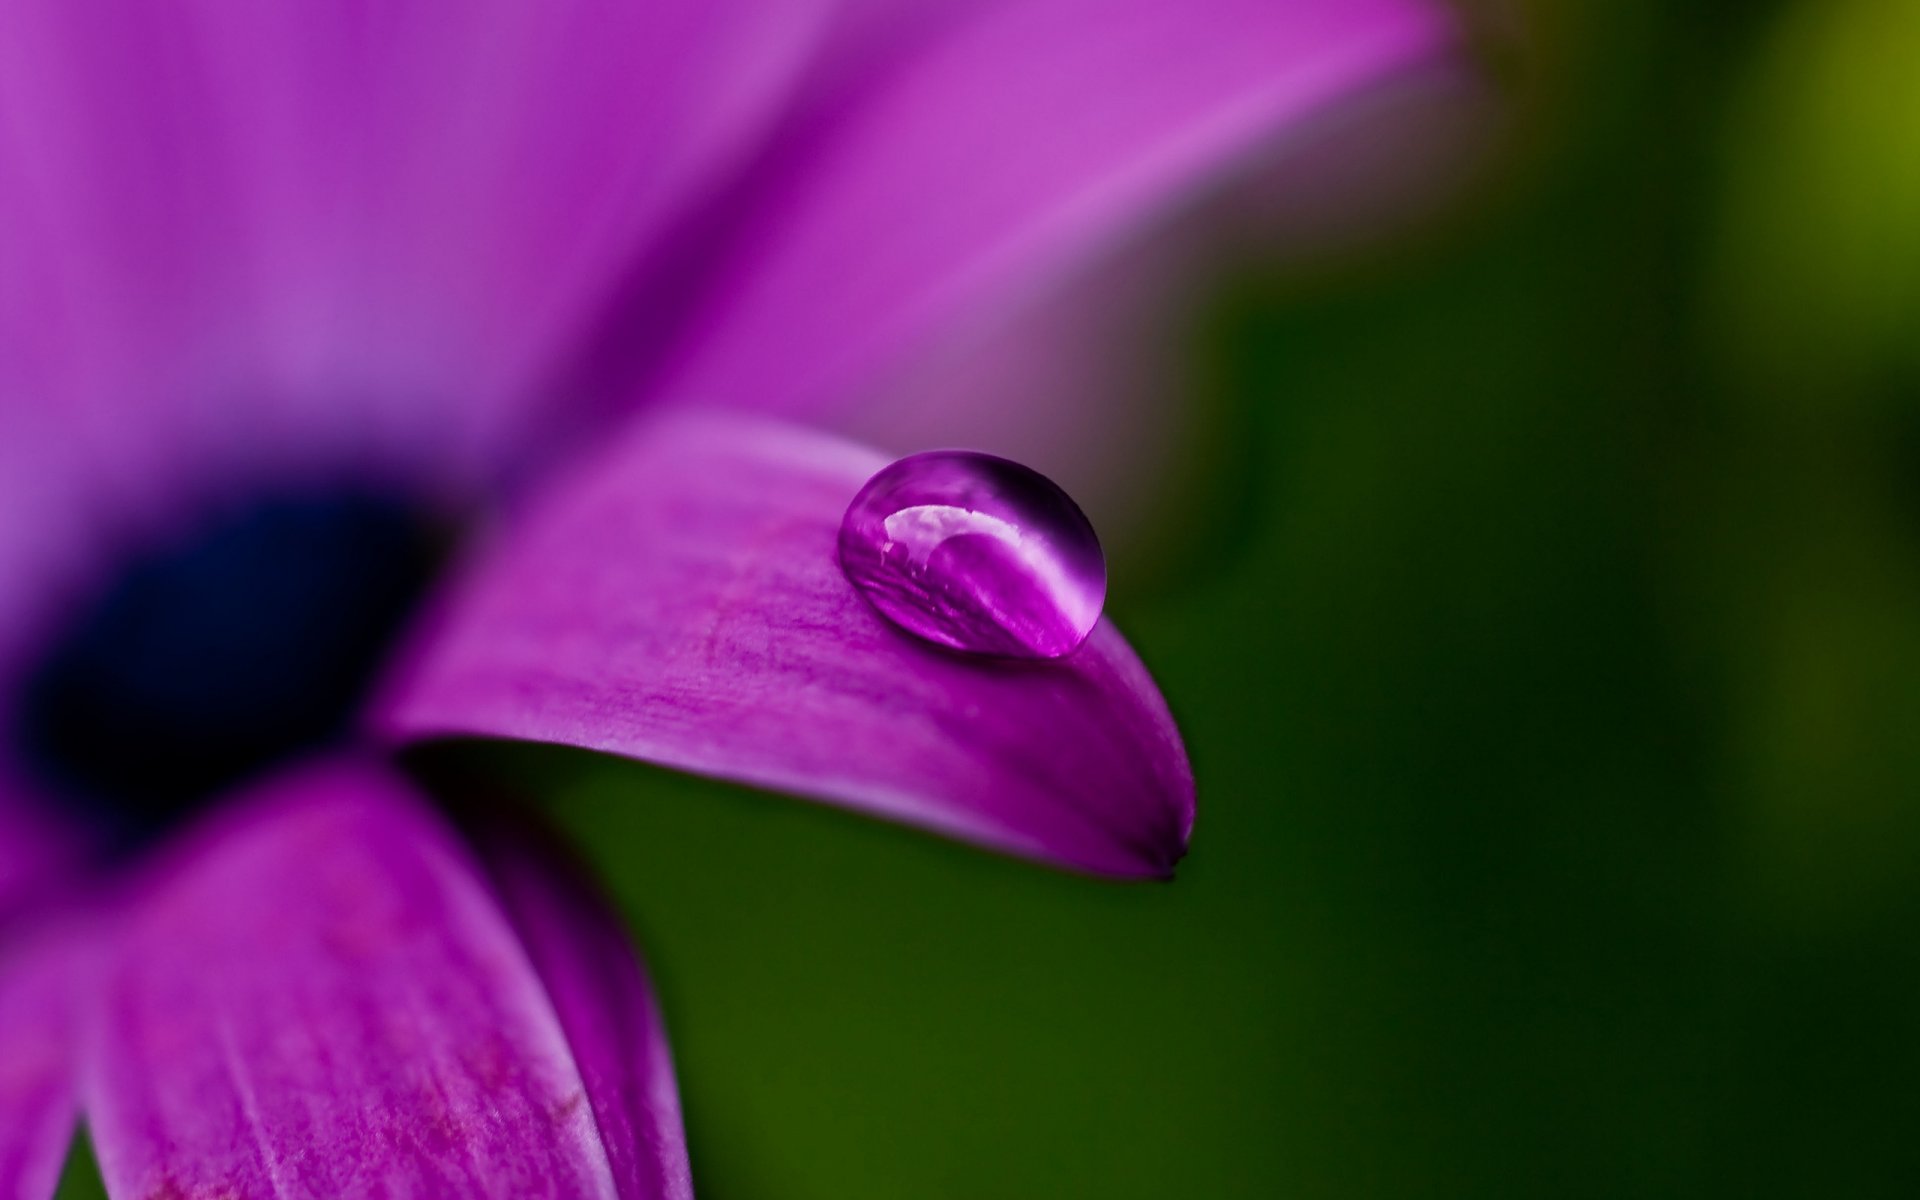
(975, 553)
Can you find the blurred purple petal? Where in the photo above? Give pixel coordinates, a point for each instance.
(1082, 379)
(586, 959)
(1371, 166)
(1085, 381)
(367, 224)
(996, 156)
(678, 601)
(318, 996)
(37, 1104)
(33, 849)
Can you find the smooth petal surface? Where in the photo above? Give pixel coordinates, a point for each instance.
(33, 849)
(249, 248)
(997, 153)
(318, 996)
(1076, 379)
(678, 600)
(369, 223)
(585, 957)
(36, 1071)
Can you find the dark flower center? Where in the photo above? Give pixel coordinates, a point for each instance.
(245, 642)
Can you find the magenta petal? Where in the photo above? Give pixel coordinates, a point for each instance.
(33, 850)
(37, 1109)
(1108, 345)
(373, 224)
(678, 601)
(1000, 153)
(604, 1002)
(320, 997)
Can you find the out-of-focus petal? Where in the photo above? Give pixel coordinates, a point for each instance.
(586, 959)
(34, 847)
(678, 600)
(319, 996)
(369, 223)
(270, 247)
(1092, 380)
(36, 1070)
(999, 153)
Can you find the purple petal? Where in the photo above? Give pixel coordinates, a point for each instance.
(585, 957)
(34, 849)
(318, 996)
(1107, 345)
(678, 601)
(37, 1110)
(1105, 349)
(999, 154)
(366, 226)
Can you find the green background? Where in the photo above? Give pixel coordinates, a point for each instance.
(1545, 629)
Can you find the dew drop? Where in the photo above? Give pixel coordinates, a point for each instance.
(975, 553)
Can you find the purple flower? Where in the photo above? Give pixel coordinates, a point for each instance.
(374, 374)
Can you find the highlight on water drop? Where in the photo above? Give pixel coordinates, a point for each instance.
(975, 553)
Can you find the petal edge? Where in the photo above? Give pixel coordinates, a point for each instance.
(677, 600)
(37, 1104)
(317, 995)
(600, 992)
(993, 158)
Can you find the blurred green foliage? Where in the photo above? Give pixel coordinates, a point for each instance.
(1553, 681)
